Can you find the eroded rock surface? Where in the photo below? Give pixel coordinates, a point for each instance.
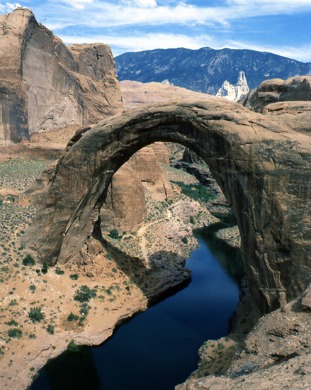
(262, 166)
(275, 355)
(141, 176)
(45, 85)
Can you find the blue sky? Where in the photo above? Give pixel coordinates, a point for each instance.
(278, 26)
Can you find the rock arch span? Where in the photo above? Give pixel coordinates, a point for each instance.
(262, 167)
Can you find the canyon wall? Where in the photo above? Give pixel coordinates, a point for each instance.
(46, 85)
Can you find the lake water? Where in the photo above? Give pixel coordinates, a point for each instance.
(158, 349)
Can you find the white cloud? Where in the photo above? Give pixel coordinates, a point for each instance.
(145, 3)
(149, 12)
(145, 42)
(79, 4)
(8, 7)
(300, 53)
(134, 43)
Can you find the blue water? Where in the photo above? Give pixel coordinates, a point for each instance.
(158, 348)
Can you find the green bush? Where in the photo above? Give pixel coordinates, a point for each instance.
(12, 323)
(32, 287)
(72, 346)
(196, 191)
(184, 240)
(85, 308)
(35, 314)
(44, 268)
(15, 333)
(28, 260)
(191, 219)
(72, 317)
(59, 271)
(84, 294)
(74, 276)
(114, 234)
(50, 329)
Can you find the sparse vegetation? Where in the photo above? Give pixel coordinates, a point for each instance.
(84, 294)
(28, 261)
(15, 333)
(50, 329)
(114, 234)
(72, 346)
(35, 314)
(59, 271)
(196, 191)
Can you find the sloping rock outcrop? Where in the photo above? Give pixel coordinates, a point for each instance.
(289, 100)
(46, 85)
(262, 166)
(275, 355)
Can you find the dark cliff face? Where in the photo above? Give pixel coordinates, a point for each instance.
(205, 70)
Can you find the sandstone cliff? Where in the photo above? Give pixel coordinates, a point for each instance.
(139, 178)
(45, 85)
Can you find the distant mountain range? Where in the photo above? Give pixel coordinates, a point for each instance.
(206, 69)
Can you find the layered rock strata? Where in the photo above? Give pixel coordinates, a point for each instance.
(46, 85)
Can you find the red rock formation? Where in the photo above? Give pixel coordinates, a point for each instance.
(45, 85)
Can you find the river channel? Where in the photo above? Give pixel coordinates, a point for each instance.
(158, 349)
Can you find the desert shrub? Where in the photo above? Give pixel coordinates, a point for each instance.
(72, 317)
(28, 260)
(184, 240)
(85, 308)
(109, 256)
(15, 333)
(59, 271)
(50, 329)
(12, 323)
(84, 294)
(114, 234)
(44, 268)
(72, 346)
(35, 314)
(191, 219)
(74, 276)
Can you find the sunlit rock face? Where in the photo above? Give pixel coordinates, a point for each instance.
(46, 85)
(261, 165)
(234, 92)
(141, 176)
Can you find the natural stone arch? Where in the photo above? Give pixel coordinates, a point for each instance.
(261, 166)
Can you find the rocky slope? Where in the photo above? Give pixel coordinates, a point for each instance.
(206, 69)
(46, 85)
(275, 355)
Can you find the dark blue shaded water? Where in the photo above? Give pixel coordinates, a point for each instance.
(158, 348)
